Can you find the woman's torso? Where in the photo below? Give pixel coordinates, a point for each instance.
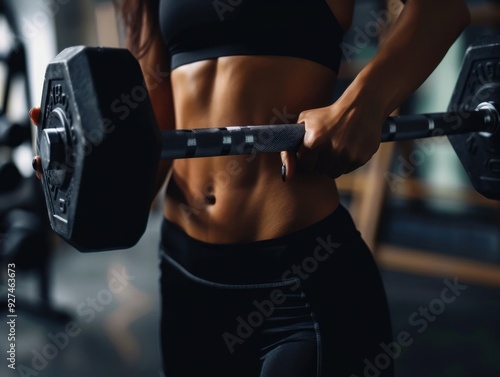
(242, 198)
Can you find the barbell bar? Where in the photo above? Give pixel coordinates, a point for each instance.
(211, 142)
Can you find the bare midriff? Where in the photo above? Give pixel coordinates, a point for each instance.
(242, 198)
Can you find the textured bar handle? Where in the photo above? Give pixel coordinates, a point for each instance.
(408, 127)
(210, 142)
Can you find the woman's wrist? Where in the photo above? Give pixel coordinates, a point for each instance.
(367, 97)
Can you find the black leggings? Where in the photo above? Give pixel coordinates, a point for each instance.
(307, 304)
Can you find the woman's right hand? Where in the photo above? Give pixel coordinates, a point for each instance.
(35, 114)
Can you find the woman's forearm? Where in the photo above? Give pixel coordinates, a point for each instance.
(418, 41)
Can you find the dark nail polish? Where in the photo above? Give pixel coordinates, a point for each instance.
(33, 163)
(283, 172)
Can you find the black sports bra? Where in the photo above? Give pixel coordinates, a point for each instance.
(195, 30)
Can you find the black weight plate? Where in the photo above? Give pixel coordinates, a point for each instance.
(479, 82)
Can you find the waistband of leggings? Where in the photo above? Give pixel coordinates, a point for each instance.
(264, 260)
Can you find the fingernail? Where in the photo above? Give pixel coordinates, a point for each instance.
(283, 172)
(33, 163)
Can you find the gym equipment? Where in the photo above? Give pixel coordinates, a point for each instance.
(10, 177)
(100, 147)
(25, 237)
(13, 135)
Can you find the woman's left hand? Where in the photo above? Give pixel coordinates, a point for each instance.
(338, 140)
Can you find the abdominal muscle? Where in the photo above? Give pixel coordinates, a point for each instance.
(242, 198)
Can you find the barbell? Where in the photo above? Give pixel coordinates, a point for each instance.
(99, 160)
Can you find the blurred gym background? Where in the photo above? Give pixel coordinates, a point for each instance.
(97, 314)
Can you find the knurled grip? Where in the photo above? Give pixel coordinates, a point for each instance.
(210, 142)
